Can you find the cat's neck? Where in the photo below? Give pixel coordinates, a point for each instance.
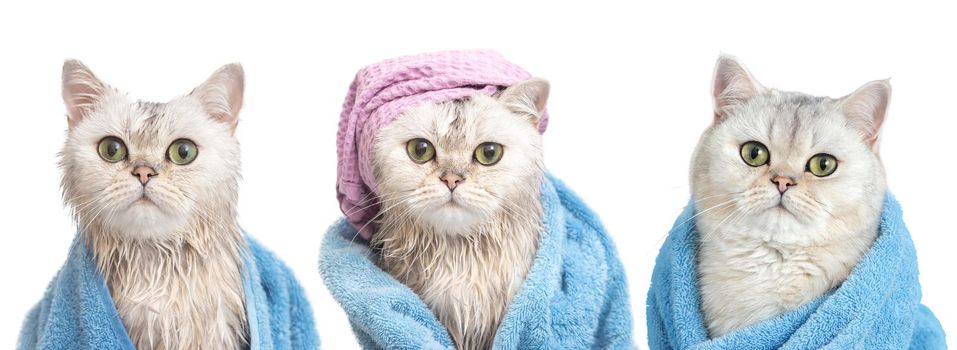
(467, 280)
(177, 293)
(202, 242)
(746, 276)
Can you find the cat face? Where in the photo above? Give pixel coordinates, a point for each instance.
(786, 166)
(457, 164)
(149, 170)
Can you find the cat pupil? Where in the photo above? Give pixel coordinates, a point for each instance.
(489, 151)
(755, 152)
(420, 149)
(183, 151)
(112, 149)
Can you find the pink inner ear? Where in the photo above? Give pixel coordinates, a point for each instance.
(733, 84)
(866, 109)
(224, 117)
(79, 95)
(222, 94)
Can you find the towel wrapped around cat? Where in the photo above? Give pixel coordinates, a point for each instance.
(77, 311)
(575, 296)
(877, 307)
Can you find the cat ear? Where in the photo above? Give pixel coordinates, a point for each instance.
(81, 90)
(733, 85)
(867, 107)
(222, 94)
(527, 97)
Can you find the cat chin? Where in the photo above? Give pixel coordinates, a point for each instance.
(453, 219)
(146, 221)
(775, 224)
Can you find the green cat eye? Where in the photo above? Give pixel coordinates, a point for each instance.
(822, 164)
(182, 152)
(420, 150)
(489, 153)
(755, 153)
(111, 149)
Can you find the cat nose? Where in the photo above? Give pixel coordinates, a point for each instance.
(144, 173)
(451, 179)
(783, 183)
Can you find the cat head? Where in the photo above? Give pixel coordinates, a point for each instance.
(457, 164)
(145, 170)
(789, 166)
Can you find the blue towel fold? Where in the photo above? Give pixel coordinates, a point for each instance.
(574, 297)
(77, 311)
(877, 307)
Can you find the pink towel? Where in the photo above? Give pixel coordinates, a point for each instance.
(382, 91)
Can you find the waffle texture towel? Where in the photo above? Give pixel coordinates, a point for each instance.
(877, 307)
(382, 91)
(574, 297)
(77, 312)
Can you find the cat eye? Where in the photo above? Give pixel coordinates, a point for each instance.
(755, 153)
(112, 149)
(420, 150)
(821, 165)
(489, 153)
(182, 152)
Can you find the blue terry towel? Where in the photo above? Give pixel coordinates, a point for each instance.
(77, 311)
(575, 296)
(877, 307)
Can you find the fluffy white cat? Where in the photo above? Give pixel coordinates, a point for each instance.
(788, 190)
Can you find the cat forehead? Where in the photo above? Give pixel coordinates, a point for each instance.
(455, 121)
(792, 121)
(144, 123)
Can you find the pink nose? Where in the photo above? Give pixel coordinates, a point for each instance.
(783, 183)
(144, 173)
(451, 179)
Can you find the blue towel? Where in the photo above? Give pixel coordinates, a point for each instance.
(877, 307)
(574, 297)
(77, 311)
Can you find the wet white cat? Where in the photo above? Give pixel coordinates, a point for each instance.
(461, 219)
(153, 187)
(789, 189)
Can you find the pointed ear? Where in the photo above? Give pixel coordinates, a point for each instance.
(527, 97)
(866, 109)
(733, 85)
(81, 91)
(222, 94)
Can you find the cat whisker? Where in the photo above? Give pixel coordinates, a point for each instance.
(374, 200)
(691, 219)
(513, 208)
(373, 219)
(697, 200)
(822, 206)
(379, 201)
(716, 206)
(738, 213)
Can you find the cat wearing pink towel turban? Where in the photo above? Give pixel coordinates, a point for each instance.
(441, 168)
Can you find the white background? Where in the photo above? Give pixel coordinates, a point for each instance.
(630, 96)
